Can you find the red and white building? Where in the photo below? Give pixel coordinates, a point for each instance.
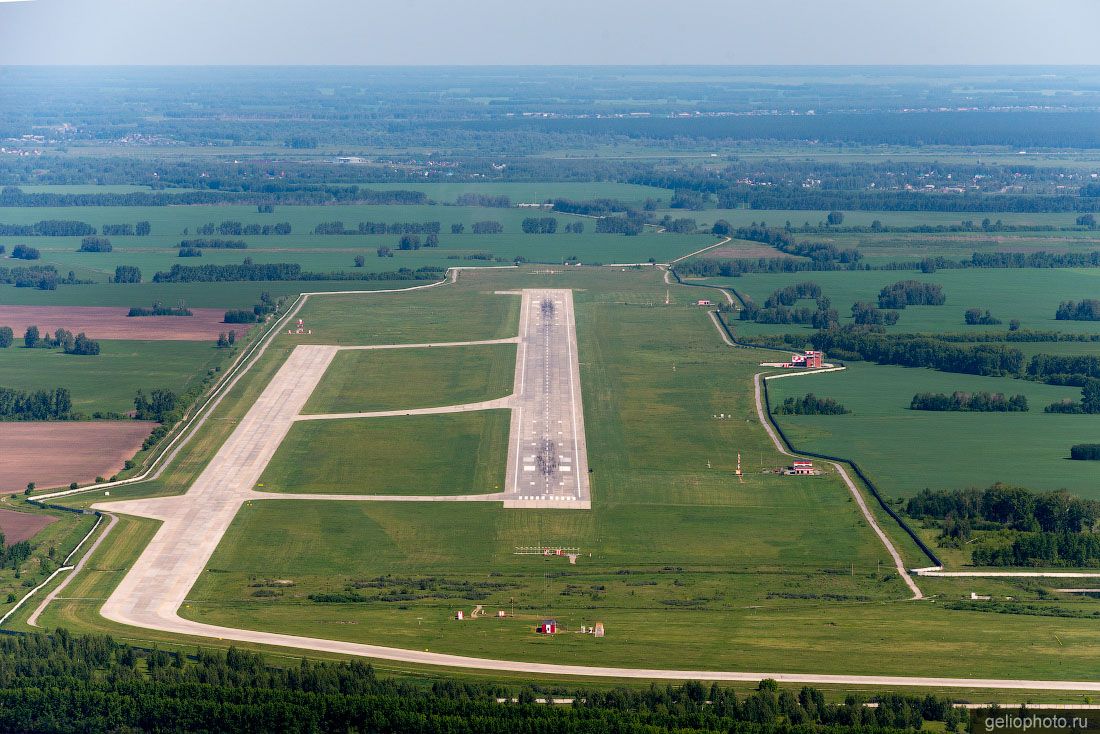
(808, 360)
(802, 467)
(548, 627)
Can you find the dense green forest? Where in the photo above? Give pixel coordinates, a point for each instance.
(63, 683)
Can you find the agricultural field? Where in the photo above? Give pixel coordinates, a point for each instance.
(460, 453)
(1030, 295)
(895, 445)
(242, 294)
(392, 379)
(335, 252)
(107, 382)
(56, 454)
(204, 324)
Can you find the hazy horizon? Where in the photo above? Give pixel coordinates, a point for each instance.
(494, 33)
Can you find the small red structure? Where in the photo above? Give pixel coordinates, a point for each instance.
(548, 627)
(808, 359)
(800, 466)
(703, 302)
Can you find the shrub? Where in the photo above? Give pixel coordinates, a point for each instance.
(975, 317)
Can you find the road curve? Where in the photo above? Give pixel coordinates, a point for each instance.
(32, 620)
(758, 380)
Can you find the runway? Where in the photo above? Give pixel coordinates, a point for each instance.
(547, 455)
(546, 414)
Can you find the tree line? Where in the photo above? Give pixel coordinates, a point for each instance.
(539, 225)
(95, 244)
(1061, 550)
(213, 244)
(39, 405)
(250, 271)
(267, 193)
(61, 682)
(141, 229)
(338, 228)
(1085, 310)
(159, 309)
(1008, 507)
(49, 228)
(911, 293)
(471, 198)
(810, 404)
(62, 339)
(1089, 404)
(230, 228)
(914, 350)
(977, 402)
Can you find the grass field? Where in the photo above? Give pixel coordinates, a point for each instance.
(330, 254)
(361, 381)
(418, 317)
(907, 450)
(199, 295)
(460, 453)
(654, 378)
(1030, 295)
(109, 380)
(686, 565)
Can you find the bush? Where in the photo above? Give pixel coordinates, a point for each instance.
(190, 252)
(7, 337)
(975, 317)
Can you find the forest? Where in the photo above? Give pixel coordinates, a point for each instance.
(59, 682)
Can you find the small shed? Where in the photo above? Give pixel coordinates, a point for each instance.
(460, 615)
(704, 302)
(547, 627)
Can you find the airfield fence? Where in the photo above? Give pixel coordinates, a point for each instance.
(859, 473)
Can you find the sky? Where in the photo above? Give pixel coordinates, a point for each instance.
(509, 32)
